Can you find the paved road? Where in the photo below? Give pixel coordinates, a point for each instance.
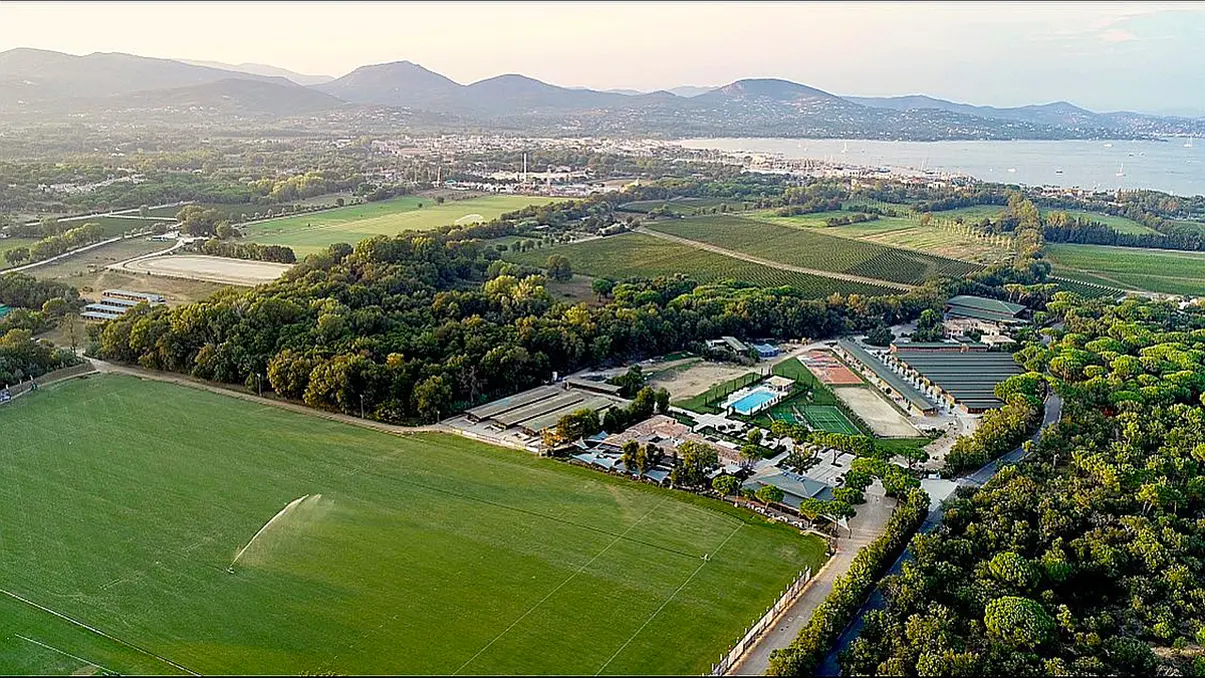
(772, 264)
(830, 667)
(865, 528)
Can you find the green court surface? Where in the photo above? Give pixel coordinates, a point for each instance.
(314, 231)
(128, 502)
(829, 418)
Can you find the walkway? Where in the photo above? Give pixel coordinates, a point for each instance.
(865, 527)
(772, 264)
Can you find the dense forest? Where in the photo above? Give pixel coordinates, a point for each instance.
(1087, 558)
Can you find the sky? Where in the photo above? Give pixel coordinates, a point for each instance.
(1146, 56)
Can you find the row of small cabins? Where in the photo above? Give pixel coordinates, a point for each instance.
(116, 303)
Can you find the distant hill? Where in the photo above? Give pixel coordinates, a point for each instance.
(400, 83)
(39, 75)
(39, 84)
(264, 70)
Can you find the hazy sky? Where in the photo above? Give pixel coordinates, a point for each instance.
(1105, 55)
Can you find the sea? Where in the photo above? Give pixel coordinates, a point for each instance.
(1167, 165)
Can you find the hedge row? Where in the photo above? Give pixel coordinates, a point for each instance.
(850, 590)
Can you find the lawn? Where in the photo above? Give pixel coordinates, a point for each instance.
(639, 255)
(810, 248)
(312, 232)
(1132, 268)
(127, 500)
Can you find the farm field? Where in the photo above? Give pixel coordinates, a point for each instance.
(810, 249)
(128, 500)
(1119, 224)
(639, 255)
(307, 233)
(903, 232)
(1162, 271)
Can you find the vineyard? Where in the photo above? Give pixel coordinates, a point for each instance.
(681, 205)
(636, 255)
(1151, 270)
(810, 249)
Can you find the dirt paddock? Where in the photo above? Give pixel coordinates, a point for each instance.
(211, 269)
(882, 418)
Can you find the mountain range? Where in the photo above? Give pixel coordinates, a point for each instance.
(40, 85)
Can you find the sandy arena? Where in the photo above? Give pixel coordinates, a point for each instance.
(211, 269)
(882, 418)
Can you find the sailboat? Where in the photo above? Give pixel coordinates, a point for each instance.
(845, 147)
(1188, 144)
(1121, 171)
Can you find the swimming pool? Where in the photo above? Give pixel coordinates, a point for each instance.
(753, 401)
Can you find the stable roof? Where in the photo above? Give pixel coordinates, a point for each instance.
(511, 402)
(970, 377)
(549, 419)
(983, 308)
(882, 371)
(520, 414)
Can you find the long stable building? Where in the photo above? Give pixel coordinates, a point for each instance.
(540, 408)
(116, 303)
(967, 380)
(882, 376)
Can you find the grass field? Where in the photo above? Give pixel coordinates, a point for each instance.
(126, 501)
(114, 226)
(810, 249)
(307, 233)
(639, 255)
(1131, 268)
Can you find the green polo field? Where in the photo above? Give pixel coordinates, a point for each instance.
(127, 501)
(312, 232)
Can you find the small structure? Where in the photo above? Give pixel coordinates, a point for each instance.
(735, 344)
(766, 350)
(779, 384)
(984, 308)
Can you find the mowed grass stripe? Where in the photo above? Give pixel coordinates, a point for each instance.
(641, 255)
(127, 499)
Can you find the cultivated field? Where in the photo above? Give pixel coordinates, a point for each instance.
(12, 244)
(209, 269)
(307, 233)
(810, 249)
(1131, 268)
(639, 255)
(127, 500)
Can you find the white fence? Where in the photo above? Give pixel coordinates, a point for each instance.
(747, 641)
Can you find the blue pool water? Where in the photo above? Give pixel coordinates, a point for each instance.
(752, 401)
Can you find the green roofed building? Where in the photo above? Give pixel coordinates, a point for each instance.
(983, 308)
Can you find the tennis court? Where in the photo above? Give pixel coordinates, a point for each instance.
(829, 418)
